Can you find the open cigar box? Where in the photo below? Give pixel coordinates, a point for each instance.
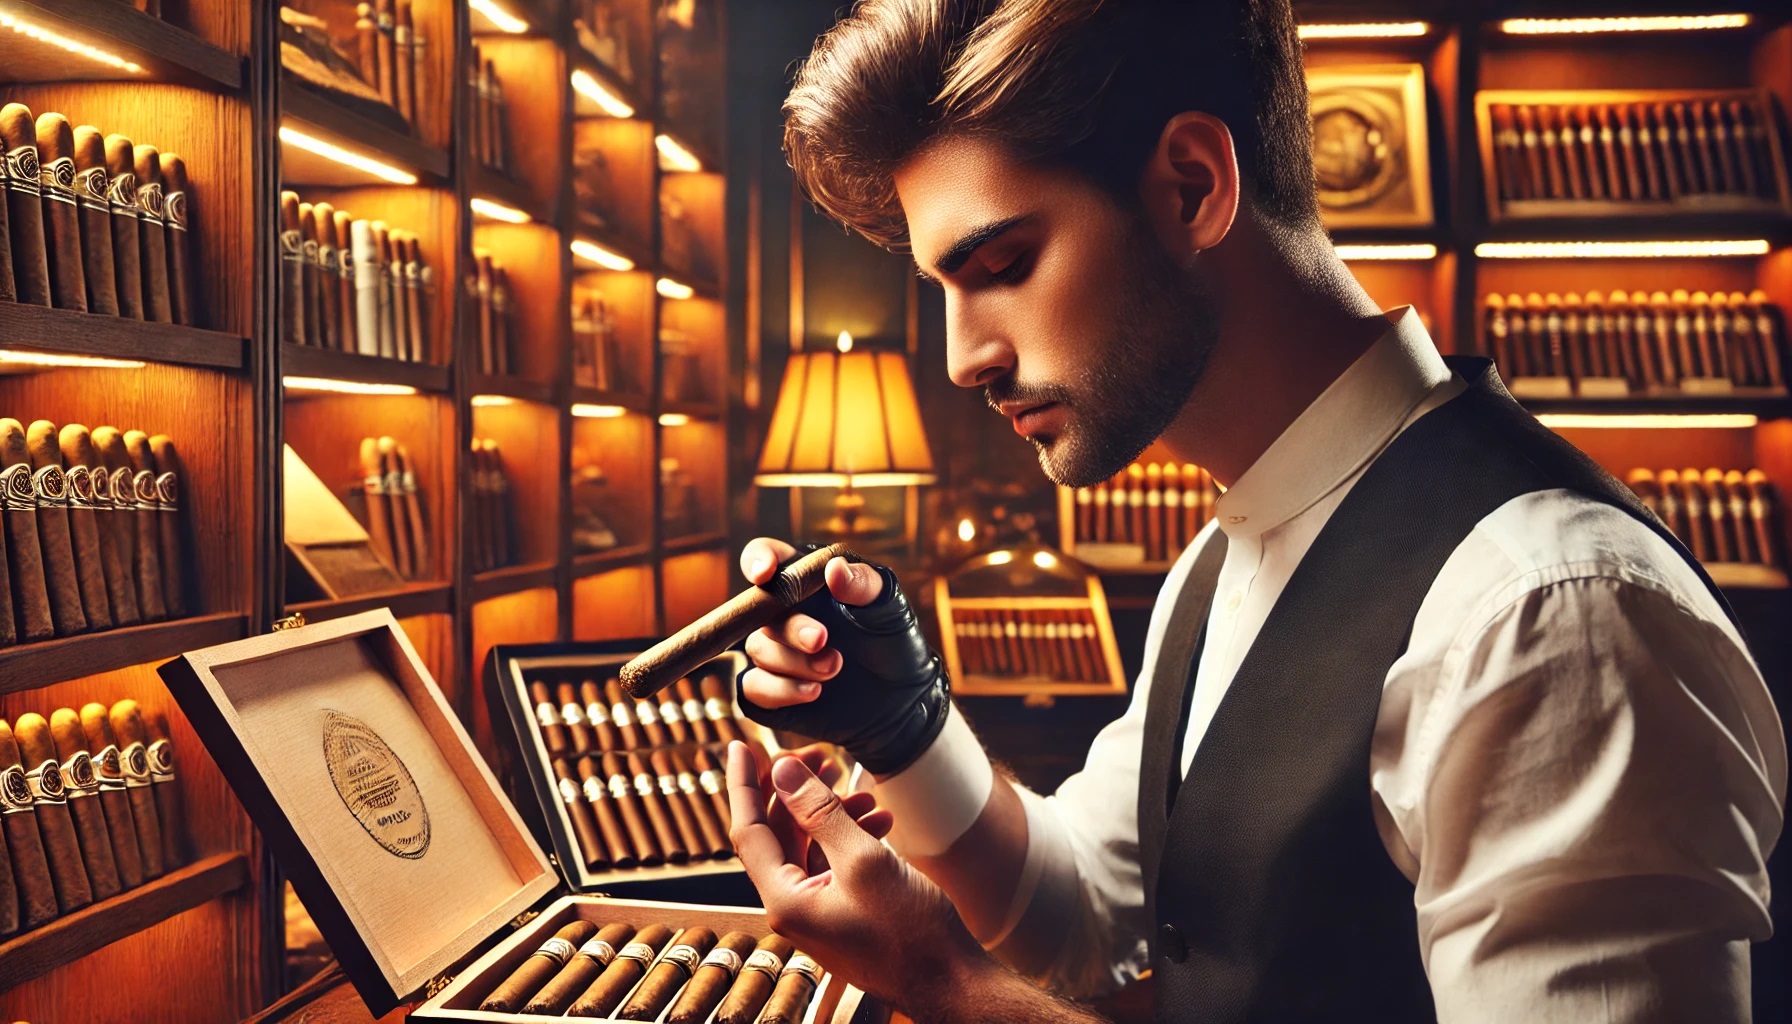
(393, 830)
(1029, 622)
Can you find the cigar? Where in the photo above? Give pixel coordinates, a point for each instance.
(405, 70)
(30, 595)
(180, 246)
(397, 312)
(1636, 368)
(540, 968)
(161, 778)
(501, 317)
(1173, 535)
(1601, 117)
(1619, 120)
(121, 197)
(671, 716)
(49, 485)
(1642, 326)
(1725, 158)
(684, 822)
(711, 778)
(703, 640)
(61, 212)
(1154, 512)
(586, 964)
(1698, 526)
(1739, 135)
(790, 997)
(1568, 142)
(1533, 151)
(133, 761)
(83, 785)
(758, 975)
(24, 840)
(369, 279)
(168, 522)
(366, 36)
(482, 507)
(494, 111)
(9, 893)
(1769, 336)
(385, 59)
(373, 487)
(1507, 172)
(584, 824)
(602, 802)
(1760, 512)
(627, 968)
(121, 825)
(1709, 169)
(622, 716)
(1672, 505)
(151, 590)
(1649, 152)
(597, 717)
(647, 716)
(482, 294)
(1673, 184)
(24, 205)
(1738, 357)
(95, 219)
(343, 295)
(1098, 503)
(114, 515)
(572, 714)
(1685, 355)
(329, 278)
(714, 830)
(1711, 350)
(8, 293)
(1582, 354)
(1643, 484)
(152, 232)
(718, 707)
(1662, 329)
(388, 318)
(692, 706)
(547, 717)
(659, 817)
(312, 267)
(1499, 335)
(412, 254)
(1748, 548)
(1717, 506)
(413, 514)
(674, 968)
(293, 326)
(62, 846)
(711, 980)
(404, 561)
(641, 836)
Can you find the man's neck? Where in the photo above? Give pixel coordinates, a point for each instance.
(1293, 320)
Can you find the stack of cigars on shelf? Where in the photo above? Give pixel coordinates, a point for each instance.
(93, 530)
(394, 507)
(93, 223)
(491, 131)
(489, 286)
(351, 285)
(1619, 344)
(1616, 153)
(493, 546)
(1145, 514)
(89, 809)
(1057, 644)
(1729, 519)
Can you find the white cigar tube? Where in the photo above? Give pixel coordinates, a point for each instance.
(368, 278)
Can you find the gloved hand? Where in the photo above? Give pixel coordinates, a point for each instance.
(849, 666)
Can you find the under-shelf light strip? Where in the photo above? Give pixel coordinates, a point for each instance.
(498, 211)
(1654, 420)
(484, 401)
(346, 387)
(1621, 250)
(673, 289)
(31, 30)
(591, 252)
(674, 156)
(595, 91)
(1415, 251)
(1366, 30)
(673, 419)
(1644, 23)
(18, 358)
(346, 157)
(498, 16)
(589, 411)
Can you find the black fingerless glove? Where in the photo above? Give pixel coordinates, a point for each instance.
(889, 701)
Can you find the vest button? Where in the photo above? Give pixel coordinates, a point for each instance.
(1170, 945)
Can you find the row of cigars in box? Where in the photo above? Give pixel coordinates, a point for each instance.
(1724, 517)
(1615, 344)
(351, 284)
(88, 806)
(1147, 512)
(93, 222)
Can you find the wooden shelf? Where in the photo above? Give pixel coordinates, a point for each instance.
(485, 183)
(708, 412)
(591, 563)
(308, 108)
(632, 401)
(422, 598)
(697, 542)
(584, 60)
(587, 226)
(512, 578)
(28, 666)
(1766, 408)
(305, 361)
(1643, 226)
(167, 53)
(508, 386)
(92, 928)
(68, 332)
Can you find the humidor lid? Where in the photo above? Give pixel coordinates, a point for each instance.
(392, 828)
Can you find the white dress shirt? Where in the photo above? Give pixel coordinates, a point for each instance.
(1575, 761)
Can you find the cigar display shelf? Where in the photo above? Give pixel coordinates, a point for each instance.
(315, 113)
(1027, 622)
(330, 364)
(34, 953)
(509, 385)
(420, 598)
(29, 666)
(168, 52)
(508, 579)
(486, 183)
(70, 332)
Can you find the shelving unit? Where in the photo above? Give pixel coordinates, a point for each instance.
(210, 85)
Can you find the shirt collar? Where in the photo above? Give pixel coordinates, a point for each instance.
(1336, 436)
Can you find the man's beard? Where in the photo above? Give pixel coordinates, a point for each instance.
(1136, 381)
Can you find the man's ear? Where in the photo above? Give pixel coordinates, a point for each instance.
(1190, 184)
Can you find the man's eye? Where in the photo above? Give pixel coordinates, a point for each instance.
(1014, 271)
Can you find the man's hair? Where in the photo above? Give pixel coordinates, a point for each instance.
(1088, 84)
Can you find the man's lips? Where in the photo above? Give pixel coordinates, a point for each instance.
(1033, 419)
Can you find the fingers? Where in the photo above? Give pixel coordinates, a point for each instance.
(759, 559)
(774, 657)
(853, 583)
(817, 811)
(772, 691)
(800, 631)
(760, 852)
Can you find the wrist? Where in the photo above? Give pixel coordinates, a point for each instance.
(954, 983)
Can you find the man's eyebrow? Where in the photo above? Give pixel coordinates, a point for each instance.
(958, 253)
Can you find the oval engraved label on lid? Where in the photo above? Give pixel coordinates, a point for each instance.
(375, 786)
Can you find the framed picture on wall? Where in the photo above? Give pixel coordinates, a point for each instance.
(1371, 149)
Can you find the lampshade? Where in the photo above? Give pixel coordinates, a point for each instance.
(846, 419)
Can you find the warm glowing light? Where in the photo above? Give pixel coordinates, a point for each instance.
(1045, 559)
(591, 252)
(486, 401)
(74, 46)
(1366, 30)
(1000, 557)
(1659, 421)
(346, 387)
(499, 17)
(673, 419)
(595, 91)
(497, 211)
(673, 289)
(1416, 251)
(348, 158)
(58, 359)
(1619, 250)
(967, 530)
(588, 411)
(843, 342)
(1654, 23)
(673, 155)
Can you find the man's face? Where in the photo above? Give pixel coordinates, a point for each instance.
(1060, 303)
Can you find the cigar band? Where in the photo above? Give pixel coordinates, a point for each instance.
(175, 208)
(394, 482)
(619, 786)
(326, 258)
(687, 784)
(619, 715)
(134, 761)
(1644, 135)
(645, 714)
(78, 775)
(168, 491)
(546, 715)
(106, 764)
(1153, 499)
(1530, 136)
(594, 788)
(1699, 132)
(1684, 136)
(716, 710)
(639, 952)
(765, 961)
(16, 491)
(149, 199)
(693, 710)
(571, 715)
(413, 272)
(408, 481)
(402, 35)
(669, 712)
(386, 22)
(1626, 135)
(669, 785)
(800, 964)
(684, 956)
(1606, 135)
(345, 263)
(569, 791)
(15, 791)
(428, 277)
(1549, 136)
(81, 489)
(557, 949)
(711, 784)
(375, 484)
(21, 170)
(597, 714)
(644, 784)
(1173, 498)
(46, 783)
(1135, 498)
(309, 250)
(161, 761)
(91, 184)
(143, 485)
(725, 958)
(599, 951)
(50, 487)
(58, 180)
(292, 246)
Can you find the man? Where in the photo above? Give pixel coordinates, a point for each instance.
(1435, 721)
